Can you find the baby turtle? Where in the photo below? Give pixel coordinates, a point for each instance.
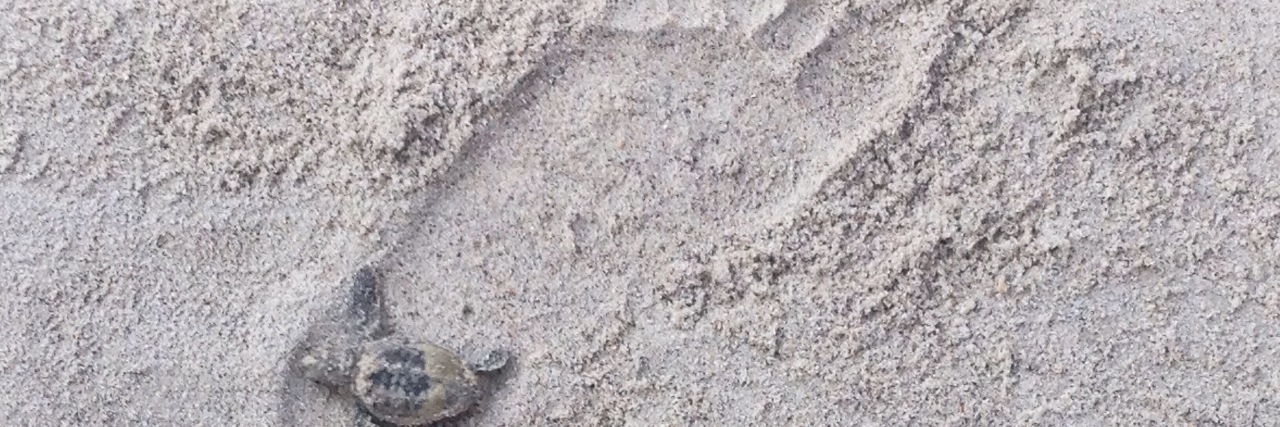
(394, 378)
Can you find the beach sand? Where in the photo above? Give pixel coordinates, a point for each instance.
(763, 212)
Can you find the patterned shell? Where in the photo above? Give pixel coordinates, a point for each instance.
(412, 383)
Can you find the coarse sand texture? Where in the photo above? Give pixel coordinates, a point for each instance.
(699, 212)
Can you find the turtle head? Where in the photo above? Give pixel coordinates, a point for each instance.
(492, 361)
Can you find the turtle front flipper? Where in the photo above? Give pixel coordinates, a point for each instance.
(366, 306)
(328, 352)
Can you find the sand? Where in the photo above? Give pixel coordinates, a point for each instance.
(765, 212)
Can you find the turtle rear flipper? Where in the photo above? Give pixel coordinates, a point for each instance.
(363, 418)
(326, 355)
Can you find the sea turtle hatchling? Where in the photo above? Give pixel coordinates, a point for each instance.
(396, 379)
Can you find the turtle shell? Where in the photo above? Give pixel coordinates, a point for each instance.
(412, 383)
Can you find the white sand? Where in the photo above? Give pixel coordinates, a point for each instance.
(757, 212)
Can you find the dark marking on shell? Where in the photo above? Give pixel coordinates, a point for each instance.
(406, 356)
(403, 372)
